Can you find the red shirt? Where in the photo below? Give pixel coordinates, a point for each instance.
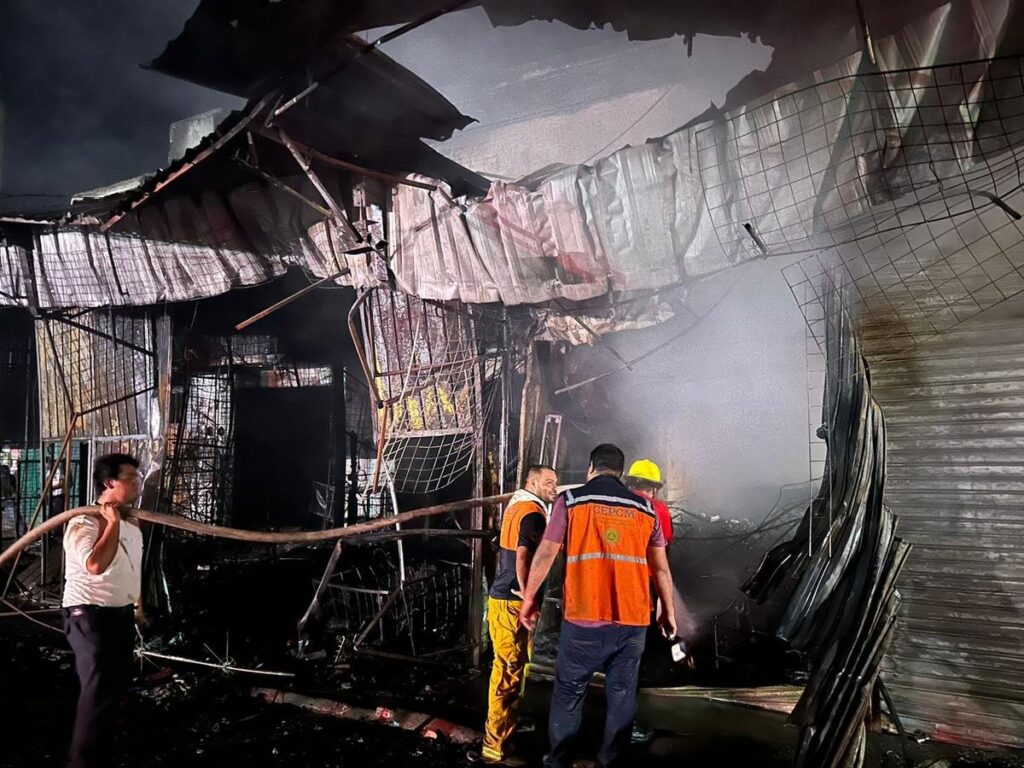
(664, 518)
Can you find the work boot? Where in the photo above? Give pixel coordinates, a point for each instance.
(509, 760)
(641, 735)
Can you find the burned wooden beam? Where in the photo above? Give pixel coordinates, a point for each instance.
(345, 165)
(427, 726)
(288, 300)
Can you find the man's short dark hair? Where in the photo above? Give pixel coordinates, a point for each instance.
(608, 459)
(533, 469)
(109, 467)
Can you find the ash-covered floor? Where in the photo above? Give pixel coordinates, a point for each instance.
(204, 718)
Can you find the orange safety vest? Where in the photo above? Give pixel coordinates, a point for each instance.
(606, 573)
(509, 538)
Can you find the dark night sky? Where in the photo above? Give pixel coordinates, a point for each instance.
(79, 111)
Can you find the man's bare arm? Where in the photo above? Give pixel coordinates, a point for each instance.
(657, 563)
(523, 559)
(105, 548)
(543, 559)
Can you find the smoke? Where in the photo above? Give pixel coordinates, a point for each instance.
(724, 409)
(686, 621)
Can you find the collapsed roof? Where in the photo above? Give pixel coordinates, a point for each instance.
(859, 170)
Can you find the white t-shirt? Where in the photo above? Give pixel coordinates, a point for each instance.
(120, 584)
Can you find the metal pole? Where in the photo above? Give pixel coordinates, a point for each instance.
(476, 607)
(869, 45)
(304, 164)
(506, 392)
(44, 488)
(289, 299)
(66, 490)
(30, 382)
(352, 167)
(353, 479)
(528, 387)
(43, 499)
(340, 439)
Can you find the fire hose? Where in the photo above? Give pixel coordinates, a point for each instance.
(258, 537)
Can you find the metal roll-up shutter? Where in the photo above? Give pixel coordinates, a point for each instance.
(954, 412)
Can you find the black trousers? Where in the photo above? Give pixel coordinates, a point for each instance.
(582, 651)
(103, 641)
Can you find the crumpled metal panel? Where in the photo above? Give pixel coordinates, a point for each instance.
(865, 149)
(432, 230)
(583, 323)
(580, 233)
(181, 249)
(845, 559)
(630, 196)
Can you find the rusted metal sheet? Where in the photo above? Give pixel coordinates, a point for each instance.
(955, 414)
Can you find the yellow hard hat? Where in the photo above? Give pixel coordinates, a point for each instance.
(644, 469)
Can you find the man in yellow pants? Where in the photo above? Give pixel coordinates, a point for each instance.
(522, 527)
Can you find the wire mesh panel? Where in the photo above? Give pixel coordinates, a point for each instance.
(426, 611)
(912, 200)
(200, 448)
(864, 154)
(100, 365)
(906, 287)
(12, 467)
(428, 372)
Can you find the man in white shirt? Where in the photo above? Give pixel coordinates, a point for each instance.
(102, 590)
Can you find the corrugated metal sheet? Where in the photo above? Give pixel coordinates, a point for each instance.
(180, 249)
(955, 415)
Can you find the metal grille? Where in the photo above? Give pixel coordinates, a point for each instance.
(427, 610)
(916, 207)
(428, 373)
(99, 365)
(12, 467)
(908, 287)
(199, 475)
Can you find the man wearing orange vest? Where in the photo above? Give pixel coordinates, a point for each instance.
(522, 526)
(614, 547)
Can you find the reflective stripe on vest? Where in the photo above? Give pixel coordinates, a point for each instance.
(606, 556)
(606, 570)
(616, 500)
